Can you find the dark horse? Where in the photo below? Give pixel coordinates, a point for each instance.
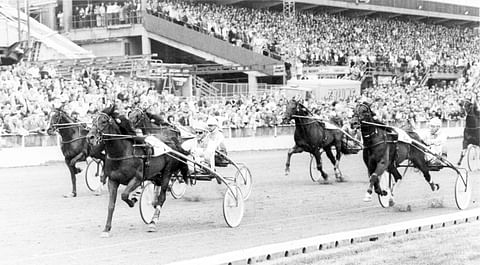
(74, 144)
(311, 136)
(129, 162)
(382, 152)
(471, 133)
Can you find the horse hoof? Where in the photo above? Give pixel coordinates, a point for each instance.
(340, 179)
(131, 203)
(152, 227)
(367, 198)
(324, 182)
(391, 202)
(70, 195)
(105, 235)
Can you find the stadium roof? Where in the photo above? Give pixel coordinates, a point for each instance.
(59, 46)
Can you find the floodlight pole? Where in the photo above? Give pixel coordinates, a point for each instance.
(19, 23)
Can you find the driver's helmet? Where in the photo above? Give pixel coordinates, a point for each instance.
(200, 129)
(212, 124)
(435, 125)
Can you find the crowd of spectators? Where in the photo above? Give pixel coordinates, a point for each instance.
(29, 93)
(103, 14)
(327, 39)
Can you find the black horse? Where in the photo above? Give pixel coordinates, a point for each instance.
(311, 136)
(383, 152)
(129, 162)
(74, 144)
(471, 133)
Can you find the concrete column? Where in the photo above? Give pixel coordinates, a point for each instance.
(146, 48)
(252, 84)
(49, 17)
(188, 87)
(67, 14)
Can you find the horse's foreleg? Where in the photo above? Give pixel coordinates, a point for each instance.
(294, 150)
(318, 158)
(335, 162)
(79, 157)
(375, 176)
(73, 178)
(112, 190)
(131, 186)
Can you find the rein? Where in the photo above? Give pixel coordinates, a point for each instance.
(118, 136)
(314, 120)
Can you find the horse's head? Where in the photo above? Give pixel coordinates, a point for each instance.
(137, 117)
(58, 117)
(467, 106)
(109, 121)
(294, 108)
(362, 112)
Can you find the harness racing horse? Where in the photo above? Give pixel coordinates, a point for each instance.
(74, 144)
(129, 164)
(311, 136)
(471, 133)
(382, 152)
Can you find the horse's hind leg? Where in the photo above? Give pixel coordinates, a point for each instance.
(294, 150)
(397, 177)
(112, 190)
(419, 161)
(73, 178)
(462, 154)
(162, 196)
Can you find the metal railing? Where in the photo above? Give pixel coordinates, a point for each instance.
(41, 140)
(107, 20)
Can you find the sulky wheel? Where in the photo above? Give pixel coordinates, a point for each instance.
(177, 187)
(243, 178)
(386, 184)
(146, 202)
(93, 174)
(473, 157)
(315, 175)
(463, 191)
(233, 208)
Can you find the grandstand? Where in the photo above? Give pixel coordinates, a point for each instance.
(239, 51)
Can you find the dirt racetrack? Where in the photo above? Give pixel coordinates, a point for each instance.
(39, 226)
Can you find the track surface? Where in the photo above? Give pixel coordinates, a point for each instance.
(39, 226)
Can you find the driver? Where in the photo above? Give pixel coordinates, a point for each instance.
(209, 142)
(436, 139)
(208, 138)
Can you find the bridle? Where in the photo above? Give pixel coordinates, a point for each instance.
(108, 136)
(57, 127)
(299, 107)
